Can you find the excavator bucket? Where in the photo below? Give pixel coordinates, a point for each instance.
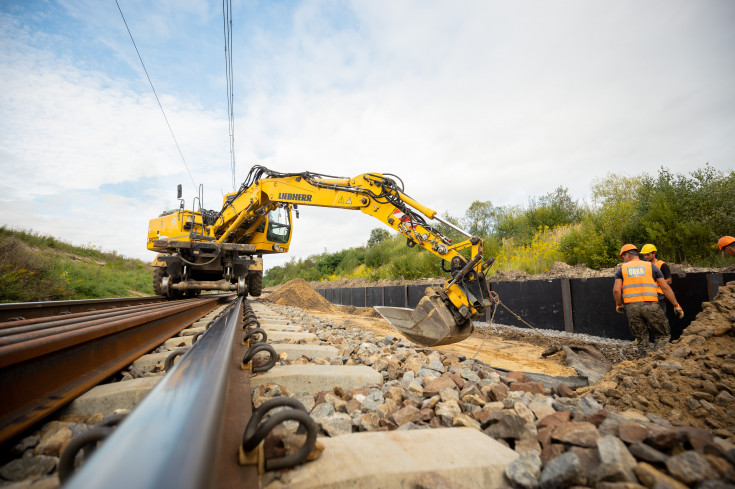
(430, 324)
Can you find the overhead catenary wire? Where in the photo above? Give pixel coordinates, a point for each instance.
(155, 94)
(227, 19)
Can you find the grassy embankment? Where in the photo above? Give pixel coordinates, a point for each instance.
(41, 268)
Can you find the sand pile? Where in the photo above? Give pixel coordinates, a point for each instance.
(691, 381)
(298, 293)
(350, 283)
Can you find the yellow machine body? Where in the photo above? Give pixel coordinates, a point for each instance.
(208, 250)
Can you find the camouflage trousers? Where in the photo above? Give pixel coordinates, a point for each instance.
(645, 315)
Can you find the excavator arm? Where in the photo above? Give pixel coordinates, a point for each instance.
(445, 314)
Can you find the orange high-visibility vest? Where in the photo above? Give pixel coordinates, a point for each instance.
(638, 283)
(658, 263)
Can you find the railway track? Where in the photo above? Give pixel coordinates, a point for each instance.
(52, 358)
(198, 411)
(199, 427)
(15, 311)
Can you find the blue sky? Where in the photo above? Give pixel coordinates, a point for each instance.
(468, 100)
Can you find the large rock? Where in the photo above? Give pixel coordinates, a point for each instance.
(562, 472)
(616, 462)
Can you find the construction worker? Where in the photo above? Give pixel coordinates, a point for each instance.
(635, 295)
(649, 254)
(727, 245)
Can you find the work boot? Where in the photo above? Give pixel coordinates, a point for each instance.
(660, 342)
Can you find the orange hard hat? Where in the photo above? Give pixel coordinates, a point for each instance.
(725, 241)
(627, 247)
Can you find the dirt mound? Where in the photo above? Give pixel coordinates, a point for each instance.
(691, 381)
(366, 312)
(298, 293)
(557, 270)
(362, 282)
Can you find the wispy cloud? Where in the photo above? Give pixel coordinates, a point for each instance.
(465, 101)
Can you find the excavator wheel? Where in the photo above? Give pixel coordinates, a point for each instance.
(158, 274)
(255, 283)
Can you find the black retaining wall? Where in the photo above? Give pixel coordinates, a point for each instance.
(577, 305)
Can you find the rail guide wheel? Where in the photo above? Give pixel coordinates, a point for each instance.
(165, 289)
(242, 287)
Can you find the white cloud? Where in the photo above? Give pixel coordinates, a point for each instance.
(464, 101)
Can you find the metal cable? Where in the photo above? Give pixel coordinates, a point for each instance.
(156, 95)
(496, 300)
(227, 19)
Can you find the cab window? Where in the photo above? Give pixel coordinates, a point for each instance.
(279, 225)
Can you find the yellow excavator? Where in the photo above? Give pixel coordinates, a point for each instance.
(223, 250)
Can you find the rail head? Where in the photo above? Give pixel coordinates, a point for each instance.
(171, 438)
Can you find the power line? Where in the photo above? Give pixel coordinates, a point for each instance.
(227, 18)
(156, 95)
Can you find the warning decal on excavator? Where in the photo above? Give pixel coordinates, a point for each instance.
(403, 218)
(341, 200)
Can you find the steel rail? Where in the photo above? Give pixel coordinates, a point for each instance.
(26, 342)
(40, 374)
(40, 323)
(28, 310)
(174, 437)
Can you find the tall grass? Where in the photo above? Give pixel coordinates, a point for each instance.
(41, 268)
(535, 257)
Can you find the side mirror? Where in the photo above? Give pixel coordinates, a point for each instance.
(178, 191)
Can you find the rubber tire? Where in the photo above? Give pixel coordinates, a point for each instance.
(158, 274)
(255, 283)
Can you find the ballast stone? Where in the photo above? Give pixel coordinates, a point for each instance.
(400, 459)
(316, 378)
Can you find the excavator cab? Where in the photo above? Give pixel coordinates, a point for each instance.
(273, 235)
(279, 225)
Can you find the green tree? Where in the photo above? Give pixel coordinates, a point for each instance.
(377, 235)
(480, 218)
(554, 209)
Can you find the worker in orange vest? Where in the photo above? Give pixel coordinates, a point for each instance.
(649, 254)
(726, 244)
(635, 295)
